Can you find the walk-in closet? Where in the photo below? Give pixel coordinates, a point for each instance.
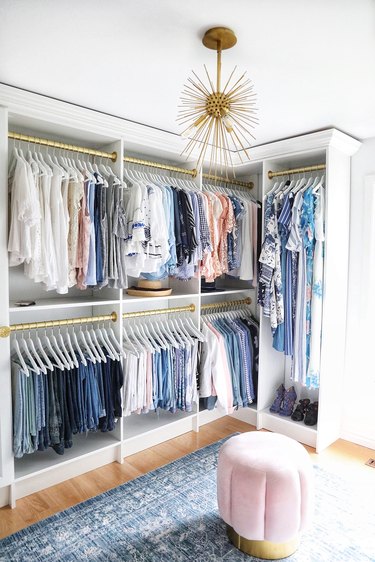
(185, 249)
(113, 310)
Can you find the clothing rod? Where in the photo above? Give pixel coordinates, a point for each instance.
(188, 308)
(113, 156)
(152, 164)
(226, 304)
(5, 331)
(56, 144)
(296, 171)
(249, 184)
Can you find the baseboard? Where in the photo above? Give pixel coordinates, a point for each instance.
(358, 439)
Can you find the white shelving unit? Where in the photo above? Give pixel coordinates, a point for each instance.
(36, 115)
(54, 304)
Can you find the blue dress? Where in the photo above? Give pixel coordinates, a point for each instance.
(308, 228)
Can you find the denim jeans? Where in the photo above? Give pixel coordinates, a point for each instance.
(49, 408)
(117, 381)
(81, 384)
(43, 437)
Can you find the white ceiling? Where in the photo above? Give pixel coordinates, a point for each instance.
(312, 62)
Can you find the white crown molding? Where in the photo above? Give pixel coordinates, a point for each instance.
(343, 142)
(138, 137)
(44, 109)
(319, 140)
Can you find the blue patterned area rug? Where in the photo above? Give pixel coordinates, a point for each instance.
(170, 515)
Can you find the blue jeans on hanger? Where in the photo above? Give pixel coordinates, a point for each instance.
(43, 438)
(99, 382)
(107, 422)
(19, 433)
(117, 381)
(71, 400)
(81, 402)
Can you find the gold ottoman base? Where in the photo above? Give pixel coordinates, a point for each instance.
(263, 549)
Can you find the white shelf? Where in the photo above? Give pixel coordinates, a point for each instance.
(285, 425)
(57, 303)
(138, 425)
(288, 419)
(127, 299)
(76, 302)
(222, 292)
(43, 461)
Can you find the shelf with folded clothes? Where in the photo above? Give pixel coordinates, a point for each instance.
(83, 446)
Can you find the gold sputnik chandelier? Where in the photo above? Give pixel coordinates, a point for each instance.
(214, 118)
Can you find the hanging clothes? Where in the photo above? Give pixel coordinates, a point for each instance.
(179, 231)
(228, 364)
(232, 220)
(48, 409)
(73, 226)
(163, 378)
(313, 373)
(290, 274)
(60, 227)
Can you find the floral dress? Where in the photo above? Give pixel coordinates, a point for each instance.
(270, 280)
(308, 226)
(313, 372)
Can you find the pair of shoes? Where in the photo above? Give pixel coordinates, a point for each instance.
(300, 411)
(311, 416)
(284, 401)
(278, 400)
(290, 397)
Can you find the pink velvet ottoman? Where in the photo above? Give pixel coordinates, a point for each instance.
(265, 493)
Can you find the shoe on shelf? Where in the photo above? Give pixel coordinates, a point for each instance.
(300, 411)
(290, 397)
(311, 416)
(278, 400)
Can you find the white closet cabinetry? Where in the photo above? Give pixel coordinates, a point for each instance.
(333, 149)
(39, 116)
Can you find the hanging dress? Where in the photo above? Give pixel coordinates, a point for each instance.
(308, 225)
(313, 373)
(295, 244)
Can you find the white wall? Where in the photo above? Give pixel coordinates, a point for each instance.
(359, 391)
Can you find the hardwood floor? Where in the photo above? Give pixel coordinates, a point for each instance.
(342, 457)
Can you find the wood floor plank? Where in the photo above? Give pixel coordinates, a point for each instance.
(341, 457)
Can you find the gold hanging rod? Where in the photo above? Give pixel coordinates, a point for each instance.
(296, 171)
(226, 304)
(131, 160)
(188, 308)
(249, 184)
(56, 144)
(5, 331)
